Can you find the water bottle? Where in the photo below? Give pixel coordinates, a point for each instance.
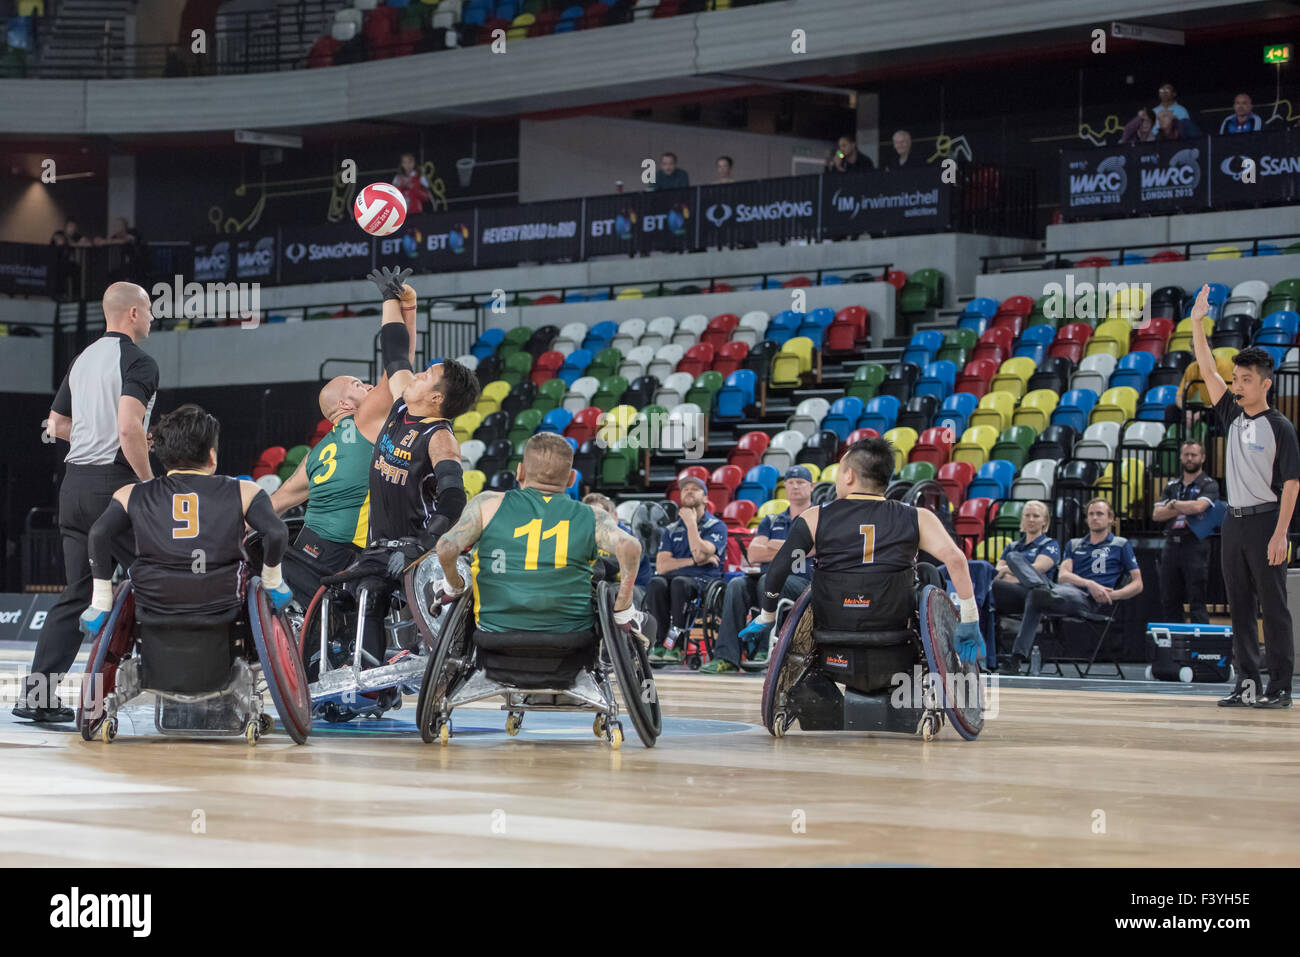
(1035, 661)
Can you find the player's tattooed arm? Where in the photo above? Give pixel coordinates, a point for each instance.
(464, 535)
(614, 541)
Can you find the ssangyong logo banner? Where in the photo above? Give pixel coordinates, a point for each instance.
(759, 211)
(323, 253)
(1254, 168)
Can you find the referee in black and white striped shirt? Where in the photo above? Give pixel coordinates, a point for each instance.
(102, 410)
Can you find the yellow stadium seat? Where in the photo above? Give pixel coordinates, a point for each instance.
(1132, 477)
(1013, 375)
(1116, 405)
(490, 399)
(975, 445)
(1199, 392)
(519, 26)
(616, 423)
(793, 361)
(1111, 338)
(1036, 409)
(995, 410)
(631, 292)
(474, 481)
(1224, 252)
(1127, 303)
(902, 439)
(772, 506)
(828, 473)
(990, 550)
(466, 425)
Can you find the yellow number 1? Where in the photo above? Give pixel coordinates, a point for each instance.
(559, 531)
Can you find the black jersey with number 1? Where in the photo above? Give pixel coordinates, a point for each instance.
(402, 486)
(866, 558)
(189, 530)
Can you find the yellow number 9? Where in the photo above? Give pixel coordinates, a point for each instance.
(185, 509)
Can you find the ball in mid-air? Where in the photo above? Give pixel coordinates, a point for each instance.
(380, 209)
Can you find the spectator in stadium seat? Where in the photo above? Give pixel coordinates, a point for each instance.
(745, 591)
(1140, 129)
(903, 157)
(691, 554)
(1039, 548)
(1169, 103)
(413, 185)
(722, 166)
(1090, 570)
(845, 158)
(670, 175)
(1168, 126)
(1243, 118)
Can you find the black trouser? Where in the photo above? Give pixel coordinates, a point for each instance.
(743, 592)
(668, 596)
(1059, 601)
(311, 558)
(1252, 582)
(1184, 577)
(85, 493)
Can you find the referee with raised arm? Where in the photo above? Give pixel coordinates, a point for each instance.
(1263, 475)
(102, 410)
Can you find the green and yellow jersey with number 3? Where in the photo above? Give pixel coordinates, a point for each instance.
(532, 568)
(338, 485)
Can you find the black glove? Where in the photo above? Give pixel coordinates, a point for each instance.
(389, 280)
(428, 538)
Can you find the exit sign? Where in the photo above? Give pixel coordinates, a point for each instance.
(1277, 53)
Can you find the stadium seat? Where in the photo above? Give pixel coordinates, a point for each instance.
(1094, 373)
(881, 414)
(749, 450)
(758, 485)
(995, 410)
(665, 361)
(808, 415)
(901, 381)
(582, 427)
(737, 395)
(1013, 376)
(955, 477)
(729, 357)
(1132, 371)
(866, 380)
(976, 443)
(690, 329)
(937, 378)
(1116, 405)
(977, 375)
(918, 412)
(1035, 409)
(1035, 480)
(933, 445)
(792, 363)
(1013, 445)
(674, 389)
(902, 439)
(751, 328)
(843, 416)
(783, 449)
(702, 391)
(971, 516)
(697, 359)
(1054, 442)
(1099, 441)
(955, 412)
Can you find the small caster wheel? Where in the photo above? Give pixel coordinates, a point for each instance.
(598, 726)
(512, 724)
(265, 723)
(929, 726)
(251, 733)
(694, 662)
(780, 722)
(1185, 674)
(616, 736)
(108, 730)
(444, 733)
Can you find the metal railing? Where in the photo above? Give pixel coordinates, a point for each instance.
(1200, 249)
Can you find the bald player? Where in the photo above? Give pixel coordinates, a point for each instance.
(334, 478)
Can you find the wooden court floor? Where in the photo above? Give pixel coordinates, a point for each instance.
(1059, 777)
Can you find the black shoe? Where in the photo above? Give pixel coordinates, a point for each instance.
(44, 715)
(1234, 700)
(1011, 666)
(1275, 699)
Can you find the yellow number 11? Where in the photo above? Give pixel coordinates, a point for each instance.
(559, 531)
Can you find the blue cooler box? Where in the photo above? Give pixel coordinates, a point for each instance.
(1181, 652)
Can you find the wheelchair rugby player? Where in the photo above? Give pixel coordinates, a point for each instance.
(866, 622)
(189, 626)
(535, 634)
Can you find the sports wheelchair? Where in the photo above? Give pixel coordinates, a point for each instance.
(706, 609)
(346, 680)
(538, 671)
(903, 681)
(207, 676)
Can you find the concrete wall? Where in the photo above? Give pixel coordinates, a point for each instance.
(585, 155)
(1242, 224)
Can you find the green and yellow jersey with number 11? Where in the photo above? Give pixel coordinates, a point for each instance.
(532, 568)
(338, 485)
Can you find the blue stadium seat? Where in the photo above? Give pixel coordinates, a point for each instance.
(955, 412)
(575, 364)
(1074, 408)
(881, 414)
(1133, 370)
(1154, 403)
(600, 336)
(921, 350)
(937, 379)
(993, 480)
(738, 392)
(487, 343)
(843, 416)
(759, 484)
(557, 420)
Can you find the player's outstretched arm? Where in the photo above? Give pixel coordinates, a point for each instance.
(396, 331)
(1201, 346)
(291, 493)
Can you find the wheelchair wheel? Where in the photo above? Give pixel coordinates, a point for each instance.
(113, 644)
(281, 663)
(791, 660)
(442, 673)
(632, 668)
(960, 686)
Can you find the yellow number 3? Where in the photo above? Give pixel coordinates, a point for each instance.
(185, 509)
(327, 458)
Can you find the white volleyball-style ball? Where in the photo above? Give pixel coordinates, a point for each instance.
(380, 209)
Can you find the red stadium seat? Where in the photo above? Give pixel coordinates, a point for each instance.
(719, 287)
(859, 317)
(547, 300)
(994, 344)
(857, 435)
(1093, 262)
(749, 450)
(719, 329)
(547, 367)
(1152, 337)
(896, 278)
(544, 23)
(972, 515)
(1015, 306)
(698, 358)
(322, 429)
(730, 357)
(1011, 321)
(796, 282)
(584, 424)
(954, 477)
(323, 52)
(977, 375)
(1167, 256)
(737, 514)
(723, 483)
(933, 446)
